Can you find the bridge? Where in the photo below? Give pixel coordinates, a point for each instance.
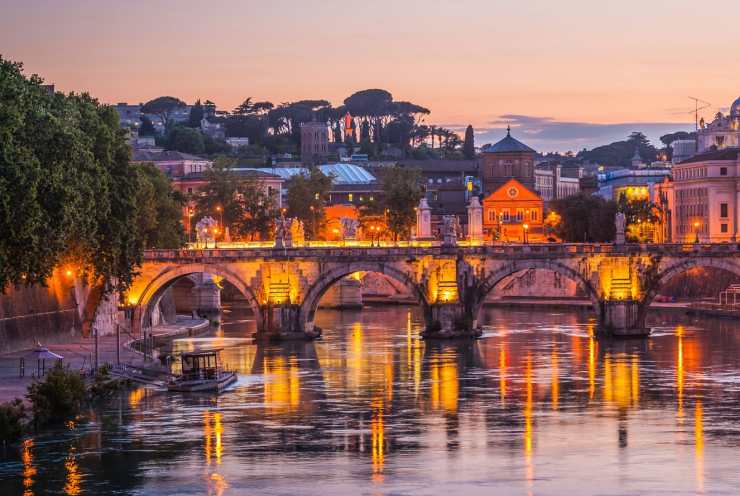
(283, 286)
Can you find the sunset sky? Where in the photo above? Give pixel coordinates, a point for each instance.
(566, 74)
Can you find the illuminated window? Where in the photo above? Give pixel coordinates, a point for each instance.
(350, 197)
(505, 214)
(519, 214)
(533, 214)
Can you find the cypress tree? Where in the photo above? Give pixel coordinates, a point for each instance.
(469, 144)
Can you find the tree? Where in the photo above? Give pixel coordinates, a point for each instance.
(196, 115)
(469, 144)
(306, 197)
(147, 128)
(159, 212)
(620, 153)
(186, 140)
(584, 218)
(67, 189)
(402, 192)
(163, 107)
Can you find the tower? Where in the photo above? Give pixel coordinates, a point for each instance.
(314, 142)
(505, 160)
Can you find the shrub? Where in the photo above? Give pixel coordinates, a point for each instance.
(58, 396)
(12, 415)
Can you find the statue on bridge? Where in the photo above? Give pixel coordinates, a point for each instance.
(205, 230)
(620, 222)
(450, 230)
(297, 232)
(349, 227)
(283, 235)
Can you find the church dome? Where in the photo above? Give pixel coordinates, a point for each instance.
(735, 109)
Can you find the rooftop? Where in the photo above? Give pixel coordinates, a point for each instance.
(506, 145)
(439, 165)
(725, 154)
(341, 173)
(163, 156)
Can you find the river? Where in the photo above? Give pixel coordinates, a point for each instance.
(537, 406)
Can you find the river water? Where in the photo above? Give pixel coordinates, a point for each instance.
(538, 406)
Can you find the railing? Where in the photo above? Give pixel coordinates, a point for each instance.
(518, 250)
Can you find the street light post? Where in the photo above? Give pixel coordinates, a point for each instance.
(696, 231)
(526, 231)
(190, 227)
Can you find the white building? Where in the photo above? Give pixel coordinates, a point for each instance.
(551, 184)
(723, 132)
(705, 201)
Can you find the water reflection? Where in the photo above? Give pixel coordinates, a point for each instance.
(540, 405)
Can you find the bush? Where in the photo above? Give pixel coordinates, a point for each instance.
(58, 396)
(12, 415)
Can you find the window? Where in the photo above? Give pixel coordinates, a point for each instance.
(723, 171)
(350, 197)
(723, 210)
(723, 228)
(371, 198)
(519, 214)
(190, 190)
(533, 215)
(491, 215)
(505, 214)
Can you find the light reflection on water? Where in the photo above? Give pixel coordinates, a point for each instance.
(540, 406)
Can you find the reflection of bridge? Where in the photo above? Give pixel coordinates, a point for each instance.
(284, 286)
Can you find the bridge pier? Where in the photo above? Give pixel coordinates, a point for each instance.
(450, 321)
(622, 318)
(283, 323)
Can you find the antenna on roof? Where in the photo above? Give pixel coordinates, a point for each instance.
(697, 108)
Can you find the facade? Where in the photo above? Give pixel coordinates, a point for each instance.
(174, 164)
(505, 160)
(551, 182)
(314, 142)
(723, 132)
(513, 213)
(636, 184)
(705, 198)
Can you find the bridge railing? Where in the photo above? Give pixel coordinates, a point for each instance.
(496, 250)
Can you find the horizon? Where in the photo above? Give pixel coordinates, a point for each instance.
(563, 80)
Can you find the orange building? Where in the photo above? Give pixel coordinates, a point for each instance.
(513, 213)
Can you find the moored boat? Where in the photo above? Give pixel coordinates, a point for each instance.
(202, 371)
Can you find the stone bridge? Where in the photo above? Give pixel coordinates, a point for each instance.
(283, 286)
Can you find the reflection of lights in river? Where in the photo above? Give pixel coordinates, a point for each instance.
(377, 432)
(680, 372)
(699, 445)
(502, 373)
(555, 380)
(212, 431)
(528, 428)
(282, 386)
(592, 350)
(444, 386)
(29, 471)
(135, 396)
(72, 485)
(216, 485)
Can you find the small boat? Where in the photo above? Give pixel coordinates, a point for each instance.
(202, 371)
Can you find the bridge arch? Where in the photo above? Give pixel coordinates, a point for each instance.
(675, 268)
(169, 275)
(494, 278)
(336, 272)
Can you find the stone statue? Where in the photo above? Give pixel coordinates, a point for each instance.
(297, 232)
(450, 228)
(283, 238)
(205, 229)
(349, 227)
(620, 222)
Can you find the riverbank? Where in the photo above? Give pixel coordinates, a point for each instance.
(79, 354)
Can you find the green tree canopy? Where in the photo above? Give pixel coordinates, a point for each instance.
(163, 107)
(306, 197)
(159, 209)
(584, 218)
(196, 115)
(401, 194)
(67, 189)
(186, 140)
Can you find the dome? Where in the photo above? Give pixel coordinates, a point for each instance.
(735, 109)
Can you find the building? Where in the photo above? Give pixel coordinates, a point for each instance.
(314, 142)
(513, 213)
(553, 181)
(635, 184)
(236, 142)
(174, 164)
(129, 116)
(213, 129)
(723, 132)
(705, 199)
(505, 160)
(683, 150)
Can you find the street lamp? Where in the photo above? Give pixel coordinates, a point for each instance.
(526, 238)
(696, 231)
(190, 229)
(215, 237)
